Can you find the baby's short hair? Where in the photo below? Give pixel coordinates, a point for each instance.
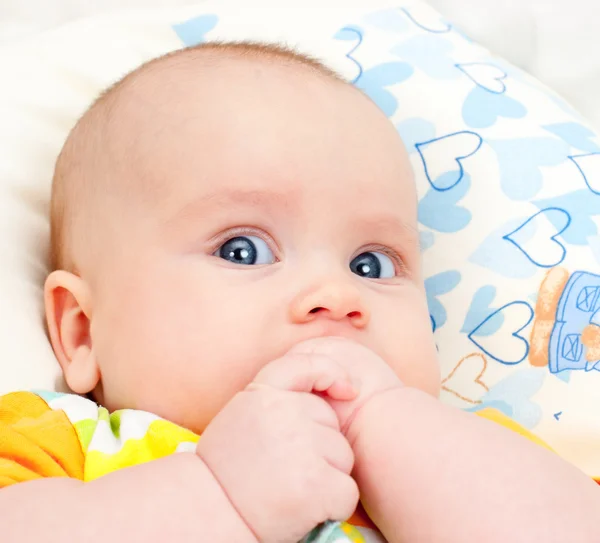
(71, 179)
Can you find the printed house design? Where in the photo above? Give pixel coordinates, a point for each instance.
(578, 308)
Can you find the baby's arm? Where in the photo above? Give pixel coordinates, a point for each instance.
(429, 472)
(172, 499)
(270, 467)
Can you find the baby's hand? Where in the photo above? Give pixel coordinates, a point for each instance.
(277, 450)
(369, 373)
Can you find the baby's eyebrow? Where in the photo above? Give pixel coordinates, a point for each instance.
(226, 197)
(392, 225)
(248, 196)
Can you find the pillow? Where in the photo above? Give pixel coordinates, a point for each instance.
(508, 177)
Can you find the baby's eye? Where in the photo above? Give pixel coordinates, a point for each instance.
(373, 265)
(246, 250)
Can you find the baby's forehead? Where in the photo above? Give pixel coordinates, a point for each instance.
(165, 105)
(172, 85)
(245, 116)
(180, 129)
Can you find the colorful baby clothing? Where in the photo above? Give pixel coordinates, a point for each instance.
(47, 434)
(343, 532)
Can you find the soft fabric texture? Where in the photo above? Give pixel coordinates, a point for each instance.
(508, 178)
(49, 434)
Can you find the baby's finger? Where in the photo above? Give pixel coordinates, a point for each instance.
(334, 448)
(308, 372)
(340, 495)
(317, 410)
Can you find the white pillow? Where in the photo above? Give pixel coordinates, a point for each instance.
(508, 175)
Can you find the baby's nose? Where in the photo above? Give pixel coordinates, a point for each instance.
(332, 300)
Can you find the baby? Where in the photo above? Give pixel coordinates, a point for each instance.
(235, 255)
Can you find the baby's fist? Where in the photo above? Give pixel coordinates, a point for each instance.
(277, 451)
(369, 374)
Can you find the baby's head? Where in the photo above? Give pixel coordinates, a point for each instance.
(213, 209)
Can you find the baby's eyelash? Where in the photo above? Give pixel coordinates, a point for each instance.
(395, 257)
(238, 231)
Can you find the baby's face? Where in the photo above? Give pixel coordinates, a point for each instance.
(284, 211)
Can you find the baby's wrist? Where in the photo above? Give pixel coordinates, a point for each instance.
(372, 420)
(368, 417)
(232, 518)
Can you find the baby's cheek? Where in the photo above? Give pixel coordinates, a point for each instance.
(203, 381)
(413, 354)
(423, 369)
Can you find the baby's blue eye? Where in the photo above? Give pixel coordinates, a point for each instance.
(246, 250)
(373, 265)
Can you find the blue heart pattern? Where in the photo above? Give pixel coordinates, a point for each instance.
(581, 207)
(574, 134)
(589, 168)
(506, 345)
(435, 286)
(481, 108)
(193, 31)
(374, 81)
(478, 311)
(520, 161)
(443, 157)
(391, 20)
(486, 76)
(430, 54)
(488, 100)
(426, 20)
(495, 254)
(545, 251)
(355, 34)
(513, 396)
(415, 130)
(525, 78)
(438, 210)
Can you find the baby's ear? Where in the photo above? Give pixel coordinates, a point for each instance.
(68, 312)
